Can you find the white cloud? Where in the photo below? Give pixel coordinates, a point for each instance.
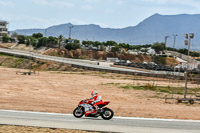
(6, 3)
(120, 2)
(172, 7)
(91, 1)
(177, 2)
(87, 7)
(158, 1)
(54, 3)
(192, 3)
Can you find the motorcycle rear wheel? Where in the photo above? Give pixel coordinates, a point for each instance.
(78, 112)
(107, 114)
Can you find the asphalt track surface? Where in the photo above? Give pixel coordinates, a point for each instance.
(117, 124)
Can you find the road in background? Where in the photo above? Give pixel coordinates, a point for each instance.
(79, 62)
(117, 124)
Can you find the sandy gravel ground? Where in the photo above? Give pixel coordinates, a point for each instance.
(59, 92)
(23, 129)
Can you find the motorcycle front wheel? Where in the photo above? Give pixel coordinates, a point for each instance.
(107, 114)
(78, 112)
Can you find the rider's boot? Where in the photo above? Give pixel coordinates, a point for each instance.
(99, 110)
(96, 109)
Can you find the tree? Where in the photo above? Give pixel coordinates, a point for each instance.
(146, 46)
(85, 43)
(194, 54)
(88, 43)
(111, 43)
(76, 41)
(14, 35)
(72, 44)
(102, 47)
(183, 51)
(5, 38)
(31, 41)
(116, 49)
(12, 40)
(51, 40)
(42, 42)
(171, 49)
(124, 45)
(145, 50)
(37, 35)
(158, 47)
(97, 44)
(21, 39)
(60, 39)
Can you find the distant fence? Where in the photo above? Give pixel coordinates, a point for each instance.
(132, 73)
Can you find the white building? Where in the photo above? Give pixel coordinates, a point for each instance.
(135, 52)
(151, 51)
(3, 29)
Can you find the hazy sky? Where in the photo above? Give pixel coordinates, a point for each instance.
(23, 14)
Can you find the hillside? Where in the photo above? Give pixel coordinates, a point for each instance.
(151, 30)
(100, 55)
(22, 63)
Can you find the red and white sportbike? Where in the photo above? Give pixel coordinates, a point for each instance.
(85, 107)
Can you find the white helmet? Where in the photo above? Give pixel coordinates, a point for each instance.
(94, 93)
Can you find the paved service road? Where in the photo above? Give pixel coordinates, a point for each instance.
(117, 124)
(80, 62)
(86, 63)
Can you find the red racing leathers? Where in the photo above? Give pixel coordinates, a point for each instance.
(97, 100)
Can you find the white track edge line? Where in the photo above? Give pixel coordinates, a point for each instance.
(115, 117)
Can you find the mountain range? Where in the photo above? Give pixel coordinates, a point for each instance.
(152, 29)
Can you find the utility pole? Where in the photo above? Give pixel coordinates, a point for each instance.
(175, 35)
(30, 44)
(93, 38)
(70, 30)
(45, 32)
(166, 40)
(187, 42)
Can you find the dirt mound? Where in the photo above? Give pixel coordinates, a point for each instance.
(23, 47)
(2, 47)
(52, 66)
(101, 55)
(22, 63)
(6, 45)
(79, 54)
(172, 61)
(40, 50)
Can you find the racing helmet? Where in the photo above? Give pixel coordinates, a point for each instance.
(94, 93)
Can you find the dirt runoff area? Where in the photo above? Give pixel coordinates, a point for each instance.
(24, 129)
(61, 92)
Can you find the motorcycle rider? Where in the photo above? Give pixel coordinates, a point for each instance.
(97, 100)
